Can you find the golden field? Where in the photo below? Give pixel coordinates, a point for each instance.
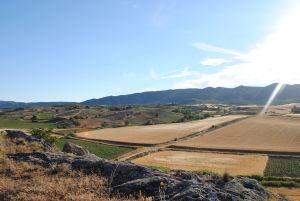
(155, 134)
(291, 193)
(250, 164)
(259, 133)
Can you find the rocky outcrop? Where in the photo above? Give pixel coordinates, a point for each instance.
(16, 134)
(75, 149)
(130, 179)
(127, 179)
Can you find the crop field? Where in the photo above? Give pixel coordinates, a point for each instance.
(101, 150)
(260, 133)
(155, 134)
(250, 164)
(291, 193)
(283, 167)
(12, 123)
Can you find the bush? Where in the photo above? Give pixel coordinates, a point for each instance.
(257, 177)
(18, 109)
(149, 122)
(296, 110)
(206, 115)
(71, 135)
(44, 134)
(288, 184)
(34, 118)
(126, 123)
(226, 177)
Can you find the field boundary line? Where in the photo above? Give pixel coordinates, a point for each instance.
(166, 145)
(203, 132)
(237, 151)
(110, 142)
(100, 142)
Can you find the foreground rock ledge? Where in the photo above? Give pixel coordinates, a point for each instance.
(127, 179)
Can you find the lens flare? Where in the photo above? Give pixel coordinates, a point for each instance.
(276, 91)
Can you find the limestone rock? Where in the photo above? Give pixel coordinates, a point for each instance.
(16, 134)
(75, 149)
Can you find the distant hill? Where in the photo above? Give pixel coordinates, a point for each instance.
(239, 95)
(12, 104)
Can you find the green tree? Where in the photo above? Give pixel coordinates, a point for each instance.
(34, 118)
(45, 134)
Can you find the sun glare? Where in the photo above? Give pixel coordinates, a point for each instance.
(280, 52)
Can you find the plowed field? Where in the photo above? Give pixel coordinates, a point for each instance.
(233, 164)
(261, 133)
(155, 134)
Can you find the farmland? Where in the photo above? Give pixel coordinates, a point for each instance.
(260, 133)
(291, 193)
(219, 163)
(79, 117)
(283, 167)
(13, 123)
(155, 134)
(101, 150)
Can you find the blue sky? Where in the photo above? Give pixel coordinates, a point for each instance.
(73, 50)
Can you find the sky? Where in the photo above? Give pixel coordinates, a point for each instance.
(71, 50)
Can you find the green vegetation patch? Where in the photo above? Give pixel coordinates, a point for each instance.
(12, 123)
(272, 181)
(283, 167)
(160, 168)
(280, 182)
(296, 110)
(44, 116)
(101, 150)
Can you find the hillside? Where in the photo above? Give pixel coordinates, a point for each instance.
(12, 104)
(238, 95)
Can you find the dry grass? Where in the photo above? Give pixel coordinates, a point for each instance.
(218, 163)
(25, 181)
(280, 109)
(291, 193)
(260, 133)
(156, 134)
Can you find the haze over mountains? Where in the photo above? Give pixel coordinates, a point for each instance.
(239, 95)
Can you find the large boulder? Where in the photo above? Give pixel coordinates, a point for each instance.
(75, 149)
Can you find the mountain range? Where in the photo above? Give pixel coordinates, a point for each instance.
(238, 95)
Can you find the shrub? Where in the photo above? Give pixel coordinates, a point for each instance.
(296, 110)
(18, 109)
(126, 123)
(149, 122)
(104, 124)
(226, 177)
(44, 134)
(257, 177)
(71, 135)
(34, 118)
(206, 115)
(288, 184)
